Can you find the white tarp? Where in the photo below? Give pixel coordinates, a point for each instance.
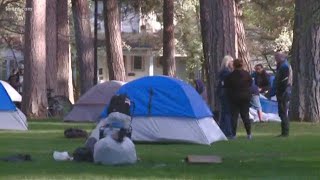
(107, 151)
(266, 117)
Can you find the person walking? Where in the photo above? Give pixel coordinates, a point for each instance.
(238, 85)
(225, 115)
(283, 83)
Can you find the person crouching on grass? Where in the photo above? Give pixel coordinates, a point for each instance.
(238, 85)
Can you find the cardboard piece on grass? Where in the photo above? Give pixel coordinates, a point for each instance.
(199, 159)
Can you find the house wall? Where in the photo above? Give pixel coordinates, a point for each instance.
(132, 74)
(131, 21)
(8, 62)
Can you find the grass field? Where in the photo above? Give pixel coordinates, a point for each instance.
(264, 157)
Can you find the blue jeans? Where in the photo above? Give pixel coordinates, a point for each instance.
(225, 122)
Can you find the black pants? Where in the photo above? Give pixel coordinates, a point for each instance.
(283, 106)
(240, 106)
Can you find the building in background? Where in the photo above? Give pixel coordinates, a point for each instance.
(142, 45)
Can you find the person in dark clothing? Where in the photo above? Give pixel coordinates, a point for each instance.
(261, 78)
(238, 85)
(283, 83)
(225, 122)
(201, 89)
(14, 79)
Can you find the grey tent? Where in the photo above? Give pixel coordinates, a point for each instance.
(91, 104)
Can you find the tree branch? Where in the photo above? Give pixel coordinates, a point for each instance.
(11, 48)
(265, 55)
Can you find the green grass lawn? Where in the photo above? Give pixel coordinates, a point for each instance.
(264, 157)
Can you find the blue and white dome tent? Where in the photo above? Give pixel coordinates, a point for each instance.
(11, 118)
(168, 109)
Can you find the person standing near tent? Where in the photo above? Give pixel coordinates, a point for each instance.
(261, 78)
(14, 79)
(238, 85)
(225, 118)
(283, 83)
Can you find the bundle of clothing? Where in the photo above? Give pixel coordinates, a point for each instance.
(110, 143)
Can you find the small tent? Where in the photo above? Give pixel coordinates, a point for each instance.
(168, 109)
(11, 118)
(92, 103)
(14, 95)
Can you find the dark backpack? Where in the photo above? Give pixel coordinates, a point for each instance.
(75, 133)
(119, 103)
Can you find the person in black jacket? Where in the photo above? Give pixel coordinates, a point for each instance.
(261, 78)
(283, 83)
(238, 85)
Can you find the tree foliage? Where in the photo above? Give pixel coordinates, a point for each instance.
(272, 16)
(188, 34)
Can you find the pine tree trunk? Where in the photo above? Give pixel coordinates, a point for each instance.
(169, 63)
(113, 41)
(84, 43)
(219, 39)
(34, 100)
(63, 52)
(51, 45)
(305, 101)
(206, 33)
(241, 49)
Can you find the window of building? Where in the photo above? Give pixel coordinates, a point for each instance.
(138, 63)
(100, 71)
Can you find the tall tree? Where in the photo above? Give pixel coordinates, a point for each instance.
(305, 102)
(113, 41)
(34, 100)
(169, 63)
(84, 43)
(51, 45)
(219, 39)
(241, 49)
(64, 83)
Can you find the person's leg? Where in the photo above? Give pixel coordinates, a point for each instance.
(255, 103)
(282, 111)
(225, 118)
(285, 121)
(244, 113)
(259, 111)
(234, 107)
